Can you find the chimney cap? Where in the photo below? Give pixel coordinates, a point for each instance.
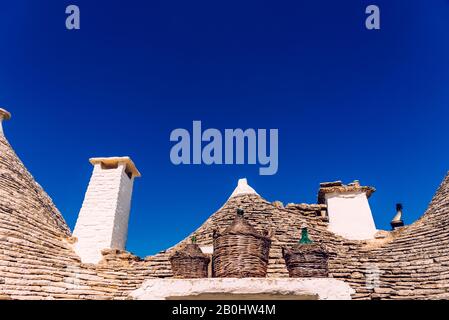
(4, 114)
(114, 161)
(339, 187)
(397, 221)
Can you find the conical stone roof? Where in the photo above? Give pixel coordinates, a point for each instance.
(411, 263)
(31, 231)
(37, 260)
(23, 200)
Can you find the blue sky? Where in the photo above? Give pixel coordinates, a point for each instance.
(349, 103)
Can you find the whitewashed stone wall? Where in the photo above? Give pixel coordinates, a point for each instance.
(103, 219)
(350, 215)
(251, 288)
(120, 232)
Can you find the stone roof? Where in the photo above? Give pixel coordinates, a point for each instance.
(37, 260)
(36, 256)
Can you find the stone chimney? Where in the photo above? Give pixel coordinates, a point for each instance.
(348, 209)
(103, 219)
(4, 115)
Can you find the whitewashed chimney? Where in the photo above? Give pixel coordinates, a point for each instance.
(103, 219)
(4, 115)
(348, 209)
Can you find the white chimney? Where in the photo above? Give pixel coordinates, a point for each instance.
(103, 219)
(348, 209)
(4, 115)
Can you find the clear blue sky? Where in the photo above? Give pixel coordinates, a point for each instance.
(349, 103)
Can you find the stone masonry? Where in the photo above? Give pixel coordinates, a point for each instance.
(38, 259)
(103, 219)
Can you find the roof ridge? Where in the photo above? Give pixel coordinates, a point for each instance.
(13, 173)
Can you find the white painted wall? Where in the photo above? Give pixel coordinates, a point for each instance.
(223, 288)
(120, 232)
(103, 219)
(350, 215)
(207, 249)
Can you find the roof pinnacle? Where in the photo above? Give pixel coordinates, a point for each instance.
(4, 115)
(242, 188)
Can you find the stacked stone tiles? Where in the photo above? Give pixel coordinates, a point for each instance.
(286, 226)
(36, 256)
(37, 260)
(411, 263)
(416, 263)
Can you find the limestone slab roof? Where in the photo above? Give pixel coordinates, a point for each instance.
(37, 260)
